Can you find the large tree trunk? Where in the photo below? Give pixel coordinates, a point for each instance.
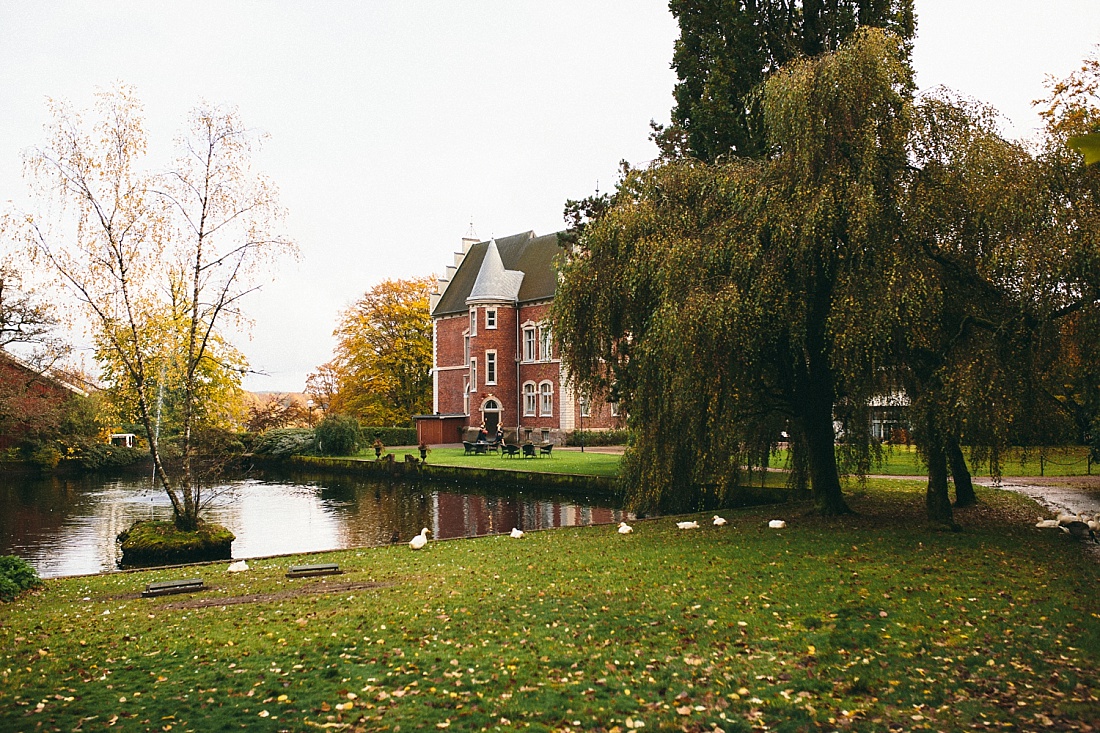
(964, 487)
(937, 499)
(821, 448)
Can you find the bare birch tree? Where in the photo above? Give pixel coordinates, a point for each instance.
(159, 261)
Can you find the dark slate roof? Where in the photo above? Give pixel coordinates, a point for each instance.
(494, 282)
(529, 253)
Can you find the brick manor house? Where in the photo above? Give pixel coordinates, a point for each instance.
(493, 358)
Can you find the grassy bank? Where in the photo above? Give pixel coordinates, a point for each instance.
(857, 623)
(901, 460)
(898, 460)
(568, 461)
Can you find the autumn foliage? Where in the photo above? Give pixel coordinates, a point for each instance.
(381, 372)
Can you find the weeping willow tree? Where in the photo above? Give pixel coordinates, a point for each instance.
(724, 302)
(976, 338)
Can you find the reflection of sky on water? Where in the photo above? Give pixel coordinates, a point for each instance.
(68, 526)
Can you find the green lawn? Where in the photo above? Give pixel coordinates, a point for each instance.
(570, 461)
(858, 623)
(900, 460)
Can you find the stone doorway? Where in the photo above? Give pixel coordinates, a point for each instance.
(490, 416)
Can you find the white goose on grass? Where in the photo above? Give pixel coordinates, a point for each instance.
(719, 521)
(238, 567)
(777, 524)
(625, 528)
(517, 533)
(688, 525)
(420, 540)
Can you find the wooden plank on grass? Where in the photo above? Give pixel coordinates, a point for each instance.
(171, 587)
(309, 571)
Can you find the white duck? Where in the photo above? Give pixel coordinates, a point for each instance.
(625, 528)
(238, 567)
(1047, 523)
(719, 521)
(777, 524)
(517, 533)
(420, 540)
(688, 525)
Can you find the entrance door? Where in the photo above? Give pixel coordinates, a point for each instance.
(490, 415)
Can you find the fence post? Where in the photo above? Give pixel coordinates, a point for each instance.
(1042, 465)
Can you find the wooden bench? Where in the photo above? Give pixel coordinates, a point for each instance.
(309, 571)
(171, 587)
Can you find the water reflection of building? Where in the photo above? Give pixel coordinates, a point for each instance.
(470, 515)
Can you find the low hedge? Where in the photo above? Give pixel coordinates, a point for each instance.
(598, 437)
(389, 436)
(96, 456)
(285, 442)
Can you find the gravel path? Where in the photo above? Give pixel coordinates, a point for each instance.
(1073, 495)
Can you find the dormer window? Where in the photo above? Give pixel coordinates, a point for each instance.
(490, 318)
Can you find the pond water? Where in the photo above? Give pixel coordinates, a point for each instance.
(68, 525)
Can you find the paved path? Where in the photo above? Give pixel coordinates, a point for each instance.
(1069, 495)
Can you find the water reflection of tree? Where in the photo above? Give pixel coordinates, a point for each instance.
(67, 525)
(373, 511)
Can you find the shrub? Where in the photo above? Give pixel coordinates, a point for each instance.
(338, 435)
(391, 435)
(46, 457)
(97, 456)
(215, 441)
(599, 437)
(285, 442)
(16, 576)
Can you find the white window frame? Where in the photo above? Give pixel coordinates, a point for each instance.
(466, 347)
(530, 399)
(614, 408)
(466, 395)
(530, 343)
(490, 366)
(546, 344)
(490, 319)
(546, 399)
(473, 321)
(473, 374)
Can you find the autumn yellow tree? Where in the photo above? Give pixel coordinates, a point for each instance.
(159, 262)
(383, 357)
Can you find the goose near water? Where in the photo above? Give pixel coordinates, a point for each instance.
(625, 528)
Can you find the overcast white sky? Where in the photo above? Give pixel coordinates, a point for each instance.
(394, 124)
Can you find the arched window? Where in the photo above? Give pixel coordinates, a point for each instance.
(546, 399)
(529, 399)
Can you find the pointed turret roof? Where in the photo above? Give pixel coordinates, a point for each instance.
(494, 283)
(526, 252)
